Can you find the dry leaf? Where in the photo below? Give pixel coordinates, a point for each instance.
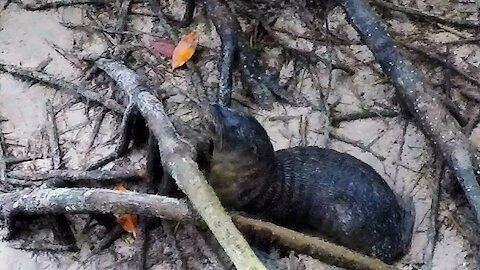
(119, 187)
(184, 50)
(129, 222)
(162, 47)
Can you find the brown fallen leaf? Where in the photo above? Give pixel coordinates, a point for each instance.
(129, 222)
(162, 47)
(184, 49)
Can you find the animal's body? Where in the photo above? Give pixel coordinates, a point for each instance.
(318, 191)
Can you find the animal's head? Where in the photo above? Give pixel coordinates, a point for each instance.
(242, 161)
(240, 134)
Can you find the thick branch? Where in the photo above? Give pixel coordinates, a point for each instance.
(418, 97)
(313, 246)
(82, 200)
(177, 160)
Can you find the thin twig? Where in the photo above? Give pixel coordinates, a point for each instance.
(337, 119)
(16, 160)
(124, 140)
(358, 144)
(61, 84)
(433, 229)
(96, 128)
(3, 163)
(55, 152)
(442, 61)
(74, 175)
(427, 16)
(62, 3)
(92, 28)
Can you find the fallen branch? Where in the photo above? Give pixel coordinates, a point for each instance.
(81, 200)
(177, 159)
(431, 115)
(73, 175)
(313, 246)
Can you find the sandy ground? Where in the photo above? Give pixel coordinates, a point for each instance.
(402, 155)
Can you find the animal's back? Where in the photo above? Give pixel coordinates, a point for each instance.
(338, 196)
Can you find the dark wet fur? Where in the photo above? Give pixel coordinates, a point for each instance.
(319, 191)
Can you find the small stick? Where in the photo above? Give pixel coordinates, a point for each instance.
(91, 28)
(56, 154)
(121, 18)
(3, 163)
(473, 121)
(471, 93)
(61, 84)
(425, 15)
(358, 144)
(432, 233)
(108, 239)
(96, 128)
(73, 175)
(60, 224)
(443, 62)
(337, 119)
(42, 246)
(125, 136)
(62, 3)
(15, 160)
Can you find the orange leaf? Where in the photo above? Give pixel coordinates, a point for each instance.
(129, 222)
(119, 187)
(184, 50)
